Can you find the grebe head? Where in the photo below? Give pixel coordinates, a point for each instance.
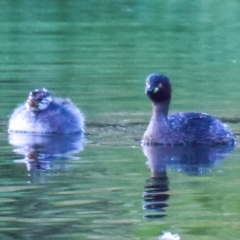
(38, 100)
(158, 88)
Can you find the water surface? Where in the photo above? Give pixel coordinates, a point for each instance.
(99, 54)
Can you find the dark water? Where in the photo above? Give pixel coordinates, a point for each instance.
(106, 186)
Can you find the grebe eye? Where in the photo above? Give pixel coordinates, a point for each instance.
(160, 85)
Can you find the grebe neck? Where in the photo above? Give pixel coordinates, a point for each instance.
(160, 110)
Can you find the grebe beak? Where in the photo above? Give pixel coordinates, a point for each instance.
(151, 90)
(32, 103)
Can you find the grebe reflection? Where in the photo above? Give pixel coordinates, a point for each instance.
(40, 150)
(194, 160)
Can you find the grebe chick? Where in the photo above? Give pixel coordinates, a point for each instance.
(188, 128)
(43, 113)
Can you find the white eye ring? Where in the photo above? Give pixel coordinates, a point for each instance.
(160, 85)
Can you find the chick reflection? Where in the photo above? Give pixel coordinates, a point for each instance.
(194, 160)
(39, 150)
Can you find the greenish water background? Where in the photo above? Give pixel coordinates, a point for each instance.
(98, 53)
